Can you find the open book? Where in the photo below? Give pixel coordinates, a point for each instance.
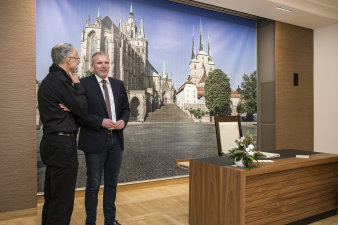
(270, 155)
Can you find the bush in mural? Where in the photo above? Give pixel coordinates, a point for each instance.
(198, 113)
(217, 93)
(248, 99)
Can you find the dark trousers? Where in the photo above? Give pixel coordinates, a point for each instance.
(108, 160)
(59, 153)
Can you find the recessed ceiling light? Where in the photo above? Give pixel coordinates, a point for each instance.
(284, 9)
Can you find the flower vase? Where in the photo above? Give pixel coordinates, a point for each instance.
(239, 163)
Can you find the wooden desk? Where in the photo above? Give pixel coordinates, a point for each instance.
(287, 190)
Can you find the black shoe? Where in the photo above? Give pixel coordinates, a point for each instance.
(114, 223)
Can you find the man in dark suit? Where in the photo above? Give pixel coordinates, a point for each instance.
(101, 136)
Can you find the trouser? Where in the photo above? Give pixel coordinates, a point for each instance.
(59, 153)
(109, 160)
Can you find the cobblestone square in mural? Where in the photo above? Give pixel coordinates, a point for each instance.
(151, 150)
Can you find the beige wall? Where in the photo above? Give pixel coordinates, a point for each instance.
(325, 89)
(17, 104)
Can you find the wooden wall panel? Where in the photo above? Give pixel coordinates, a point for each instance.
(294, 104)
(17, 104)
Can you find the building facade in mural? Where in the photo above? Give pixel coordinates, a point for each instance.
(235, 98)
(127, 47)
(191, 94)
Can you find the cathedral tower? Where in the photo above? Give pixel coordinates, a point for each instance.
(200, 64)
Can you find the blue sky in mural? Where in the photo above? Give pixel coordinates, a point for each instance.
(168, 27)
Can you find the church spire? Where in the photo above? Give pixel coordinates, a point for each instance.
(164, 74)
(141, 31)
(131, 8)
(131, 14)
(98, 18)
(193, 54)
(120, 23)
(209, 49)
(201, 37)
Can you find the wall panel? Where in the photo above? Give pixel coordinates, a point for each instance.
(17, 104)
(266, 84)
(294, 104)
(325, 89)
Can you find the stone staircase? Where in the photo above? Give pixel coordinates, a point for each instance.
(168, 113)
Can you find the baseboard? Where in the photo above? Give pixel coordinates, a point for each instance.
(133, 185)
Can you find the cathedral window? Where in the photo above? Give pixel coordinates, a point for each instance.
(92, 42)
(106, 45)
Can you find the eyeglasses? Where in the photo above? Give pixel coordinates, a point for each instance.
(78, 58)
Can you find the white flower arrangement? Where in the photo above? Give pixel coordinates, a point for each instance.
(245, 150)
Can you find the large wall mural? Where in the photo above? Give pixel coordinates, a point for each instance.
(164, 52)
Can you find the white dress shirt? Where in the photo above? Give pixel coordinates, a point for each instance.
(111, 96)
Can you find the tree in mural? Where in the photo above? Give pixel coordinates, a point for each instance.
(248, 95)
(240, 107)
(218, 93)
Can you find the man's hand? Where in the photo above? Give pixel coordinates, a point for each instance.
(74, 78)
(64, 107)
(119, 125)
(108, 123)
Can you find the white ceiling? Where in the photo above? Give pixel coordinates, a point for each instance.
(306, 13)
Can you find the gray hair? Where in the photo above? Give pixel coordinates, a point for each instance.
(98, 53)
(61, 51)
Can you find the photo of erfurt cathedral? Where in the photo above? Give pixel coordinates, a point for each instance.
(127, 47)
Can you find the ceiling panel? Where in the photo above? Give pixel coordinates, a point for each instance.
(306, 13)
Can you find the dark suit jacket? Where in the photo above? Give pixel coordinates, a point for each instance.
(92, 135)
